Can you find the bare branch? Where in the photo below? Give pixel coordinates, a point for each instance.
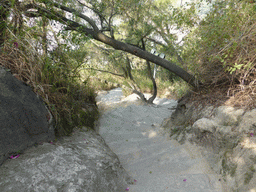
(75, 12)
(171, 47)
(120, 75)
(102, 18)
(155, 41)
(56, 16)
(104, 49)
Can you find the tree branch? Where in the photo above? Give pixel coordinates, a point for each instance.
(120, 75)
(75, 12)
(151, 99)
(102, 18)
(118, 45)
(171, 47)
(56, 16)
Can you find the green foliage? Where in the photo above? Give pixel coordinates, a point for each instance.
(216, 50)
(73, 109)
(70, 98)
(54, 75)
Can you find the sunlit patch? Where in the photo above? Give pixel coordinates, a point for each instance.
(239, 160)
(150, 134)
(249, 143)
(167, 103)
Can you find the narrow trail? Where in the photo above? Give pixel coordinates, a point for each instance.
(156, 162)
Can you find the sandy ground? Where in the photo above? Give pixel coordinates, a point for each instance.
(133, 131)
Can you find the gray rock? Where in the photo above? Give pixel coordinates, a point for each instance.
(228, 116)
(224, 130)
(242, 164)
(205, 124)
(227, 137)
(81, 162)
(248, 122)
(24, 119)
(188, 113)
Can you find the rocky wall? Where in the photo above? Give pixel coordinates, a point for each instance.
(226, 137)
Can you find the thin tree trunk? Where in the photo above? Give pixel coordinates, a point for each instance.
(44, 36)
(151, 99)
(128, 67)
(4, 12)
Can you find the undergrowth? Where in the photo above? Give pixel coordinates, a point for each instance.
(221, 51)
(166, 87)
(72, 103)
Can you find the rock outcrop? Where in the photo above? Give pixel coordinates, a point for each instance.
(226, 136)
(24, 118)
(81, 162)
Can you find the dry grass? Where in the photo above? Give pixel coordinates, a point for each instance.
(22, 61)
(66, 100)
(226, 57)
(25, 64)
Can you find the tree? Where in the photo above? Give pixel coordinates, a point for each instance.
(4, 12)
(88, 26)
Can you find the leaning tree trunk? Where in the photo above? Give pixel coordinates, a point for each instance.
(148, 56)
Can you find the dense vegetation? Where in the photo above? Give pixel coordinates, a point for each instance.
(67, 50)
(220, 51)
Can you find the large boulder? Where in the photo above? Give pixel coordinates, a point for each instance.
(228, 116)
(248, 122)
(205, 125)
(226, 136)
(24, 118)
(81, 162)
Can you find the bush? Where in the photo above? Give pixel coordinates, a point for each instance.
(221, 50)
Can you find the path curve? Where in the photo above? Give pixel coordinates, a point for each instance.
(157, 163)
